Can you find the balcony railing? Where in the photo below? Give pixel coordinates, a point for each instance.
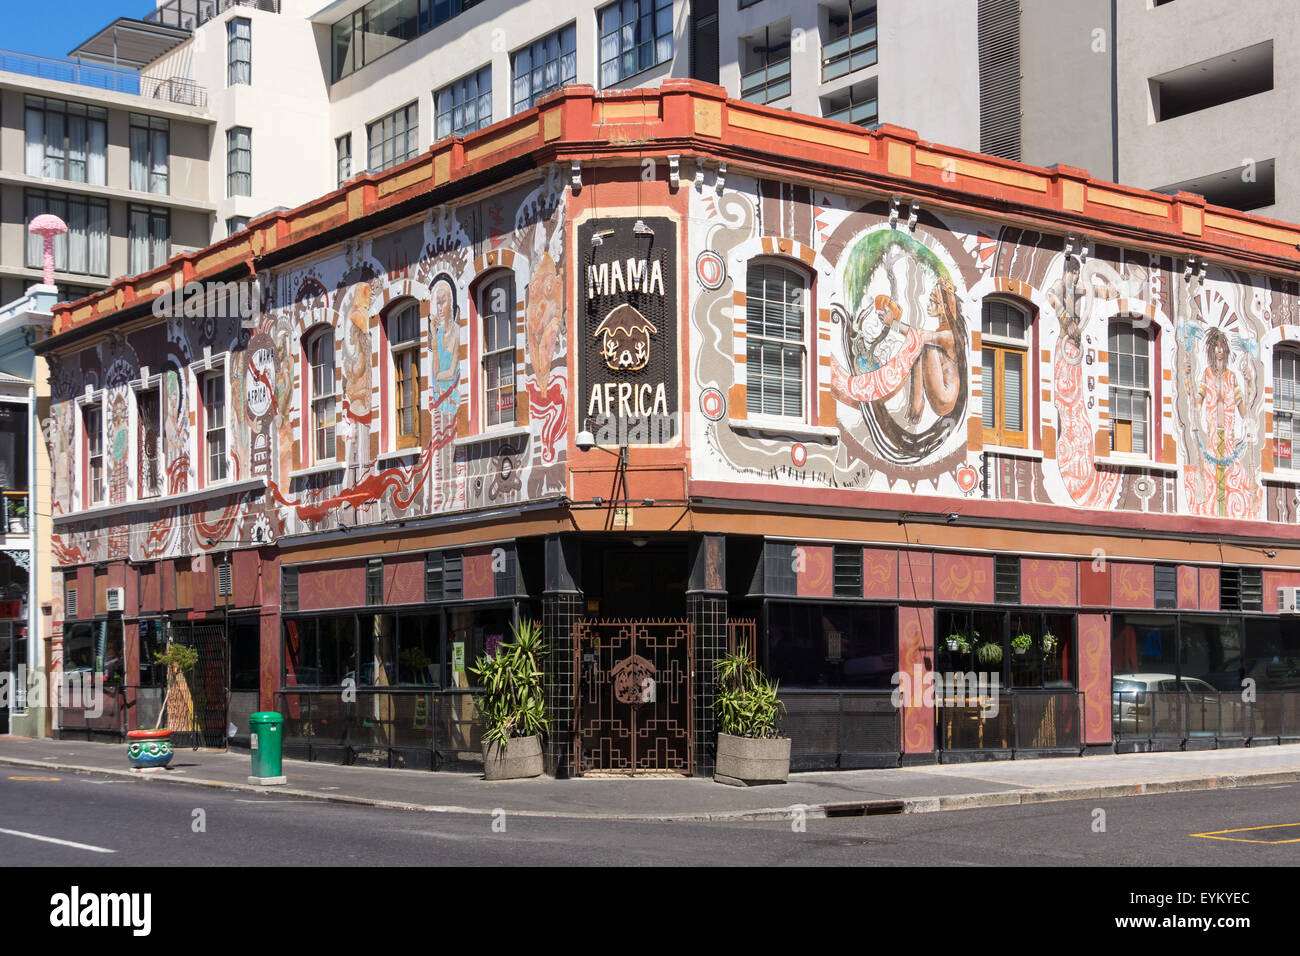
(767, 83)
(866, 113)
(192, 14)
(171, 89)
(851, 52)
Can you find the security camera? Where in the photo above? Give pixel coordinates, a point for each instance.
(585, 441)
(952, 516)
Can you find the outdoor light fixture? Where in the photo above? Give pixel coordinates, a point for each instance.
(597, 500)
(952, 516)
(641, 229)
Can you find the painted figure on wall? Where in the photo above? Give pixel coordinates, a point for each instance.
(1073, 296)
(544, 320)
(444, 334)
(356, 371)
(1219, 484)
(907, 363)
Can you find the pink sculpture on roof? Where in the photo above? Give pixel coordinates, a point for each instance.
(48, 226)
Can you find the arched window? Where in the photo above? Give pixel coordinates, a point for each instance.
(1005, 383)
(1130, 387)
(497, 309)
(1286, 403)
(403, 329)
(323, 393)
(775, 318)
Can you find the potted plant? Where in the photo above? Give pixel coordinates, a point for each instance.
(1049, 643)
(957, 644)
(750, 751)
(1021, 643)
(989, 653)
(18, 517)
(513, 708)
(152, 749)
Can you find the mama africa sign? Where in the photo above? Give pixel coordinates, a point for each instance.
(628, 374)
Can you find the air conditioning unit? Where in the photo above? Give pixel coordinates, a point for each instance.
(1288, 600)
(116, 599)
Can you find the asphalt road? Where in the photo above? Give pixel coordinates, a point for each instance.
(145, 824)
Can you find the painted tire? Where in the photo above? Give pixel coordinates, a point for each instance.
(149, 749)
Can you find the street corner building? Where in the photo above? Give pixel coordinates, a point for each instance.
(673, 374)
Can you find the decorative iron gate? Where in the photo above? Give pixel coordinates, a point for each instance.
(200, 711)
(634, 696)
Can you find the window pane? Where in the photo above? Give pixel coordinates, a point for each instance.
(989, 386)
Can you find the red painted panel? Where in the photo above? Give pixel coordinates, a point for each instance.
(1133, 585)
(1209, 589)
(334, 585)
(244, 567)
(1052, 583)
(269, 667)
(479, 581)
(117, 574)
(964, 578)
(915, 576)
(203, 584)
(880, 574)
(131, 588)
(150, 585)
(404, 580)
(1094, 676)
(1189, 590)
(815, 573)
(86, 591)
(166, 570)
(1094, 583)
(1272, 580)
(915, 652)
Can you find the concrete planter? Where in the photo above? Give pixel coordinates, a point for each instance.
(149, 749)
(521, 758)
(750, 761)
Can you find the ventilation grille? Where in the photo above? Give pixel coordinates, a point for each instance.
(848, 572)
(1166, 579)
(1006, 579)
(999, 53)
(442, 576)
(375, 581)
(70, 602)
(289, 589)
(1230, 589)
(223, 580)
(1252, 589)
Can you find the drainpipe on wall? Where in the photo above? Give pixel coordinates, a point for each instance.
(34, 644)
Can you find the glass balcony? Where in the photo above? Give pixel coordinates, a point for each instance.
(767, 83)
(851, 52)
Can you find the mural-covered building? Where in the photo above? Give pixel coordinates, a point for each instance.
(671, 372)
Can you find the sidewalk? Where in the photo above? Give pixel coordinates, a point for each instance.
(911, 790)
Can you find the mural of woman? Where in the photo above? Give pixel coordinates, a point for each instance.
(934, 375)
(1219, 485)
(444, 333)
(356, 371)
(1072, 298)
(543, 323)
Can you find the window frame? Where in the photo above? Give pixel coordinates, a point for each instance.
(47, 106)
(157, 177)
(239, 179)
(316, 399)
(408, 349)
(410, 133)
(342, 158)
(789, 267)
(846, 52)
(1137, 326)
(96, 490)
(459, 87)
(563, 35)
(150, 386)
(1291, 411)
(999, 435)
(502, 353)
(154, 216)
(38, 201)
(214, 372)
(618, 35)
(771, 81)
(235, 46)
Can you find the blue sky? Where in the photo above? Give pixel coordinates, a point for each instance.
(53, 27)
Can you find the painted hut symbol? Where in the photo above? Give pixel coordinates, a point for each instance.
(625, 339)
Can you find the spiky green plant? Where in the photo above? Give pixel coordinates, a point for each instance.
(512, 704)
(747, 703)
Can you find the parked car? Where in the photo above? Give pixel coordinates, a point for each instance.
(1143, 702)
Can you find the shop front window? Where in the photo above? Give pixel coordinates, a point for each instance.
(1210, 650)
(478, 631)
(832, 645)
(1272, 654)
(419, 642)
(1143, 644)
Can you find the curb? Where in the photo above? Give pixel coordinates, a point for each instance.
(864, 808)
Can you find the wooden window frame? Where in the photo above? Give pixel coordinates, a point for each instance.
(1121, 430)
(94, 444)
(752, 382)
(1002, 346)
(503, 353)
(212, 432)
(408, 384)
(1291, 411)
(321, 437)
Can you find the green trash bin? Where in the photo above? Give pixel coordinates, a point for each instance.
(266, 729)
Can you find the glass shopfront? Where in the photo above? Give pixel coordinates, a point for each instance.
(1028, 648)
(840, 645)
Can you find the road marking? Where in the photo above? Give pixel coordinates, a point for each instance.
(1216, 834)
(35, 778)
(45, 839)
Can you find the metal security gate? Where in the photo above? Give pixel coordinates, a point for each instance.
(634, 696)
(200, 711)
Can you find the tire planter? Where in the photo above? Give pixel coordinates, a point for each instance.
(752, 761)
(521, 758)
(147, 749)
